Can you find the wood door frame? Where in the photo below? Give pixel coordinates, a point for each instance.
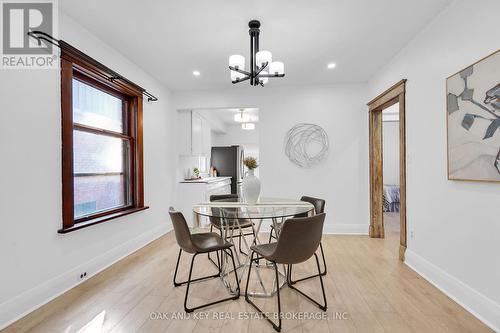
(393, 95)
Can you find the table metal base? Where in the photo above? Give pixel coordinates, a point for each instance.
(228, 233)
(241, 272)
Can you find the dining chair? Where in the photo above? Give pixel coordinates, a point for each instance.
(319, 207)
(197, 244)
(231, 223)
(297, 242)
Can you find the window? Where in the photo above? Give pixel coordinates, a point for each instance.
(102, 143)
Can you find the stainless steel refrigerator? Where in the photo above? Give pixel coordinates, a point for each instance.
(228, 161)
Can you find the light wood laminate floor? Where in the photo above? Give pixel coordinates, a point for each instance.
(366, 284)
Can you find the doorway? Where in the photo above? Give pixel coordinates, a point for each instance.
(393, 97)
(390, 177)
(212, 144)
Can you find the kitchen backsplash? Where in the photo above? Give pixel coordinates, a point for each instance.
(187, 163)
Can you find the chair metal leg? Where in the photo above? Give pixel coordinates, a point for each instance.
(239, 244)
(218, 264)
(289, 275)
(177, 267)
(177, 284)
(236, 296)
(248, 276)
(323, 273)
(254, 242)
(270, 235)
(219, 260)
(240, 248)
(276, 327)
(238, 290)
(323, 257)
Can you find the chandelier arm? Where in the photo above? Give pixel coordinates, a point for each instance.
(241, 80)
(261, 69)
(240, 71)
(272, 75)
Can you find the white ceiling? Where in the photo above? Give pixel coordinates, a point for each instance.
(170, 39)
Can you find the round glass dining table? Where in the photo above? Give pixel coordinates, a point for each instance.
(264, 208)
(232, 213)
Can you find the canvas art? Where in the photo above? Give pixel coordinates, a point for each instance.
(306, 145)
(473, 118)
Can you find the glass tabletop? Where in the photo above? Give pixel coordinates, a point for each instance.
(265, 208)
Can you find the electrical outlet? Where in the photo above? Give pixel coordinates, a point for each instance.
(83, 275)
(412, 234)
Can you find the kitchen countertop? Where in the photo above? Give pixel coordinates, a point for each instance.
(206, 180)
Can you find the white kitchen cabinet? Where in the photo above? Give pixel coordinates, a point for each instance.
(206, 138)
(194, 134)
(184, 133)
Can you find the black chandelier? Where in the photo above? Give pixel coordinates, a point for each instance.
(261, 65)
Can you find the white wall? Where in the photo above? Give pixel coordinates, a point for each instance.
(37, 263)
(456, 225)
(340, 109)
(390, 131)
(235, 135)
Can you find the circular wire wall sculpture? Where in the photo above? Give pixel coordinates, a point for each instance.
(306, 145)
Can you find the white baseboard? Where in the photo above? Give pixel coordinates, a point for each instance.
(476, 303)
(19, 306)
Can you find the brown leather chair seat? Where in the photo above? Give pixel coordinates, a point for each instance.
(265, 250)
(209, 242)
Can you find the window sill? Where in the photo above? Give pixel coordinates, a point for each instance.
(102, 219)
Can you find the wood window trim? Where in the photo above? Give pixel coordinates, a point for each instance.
(75, 64)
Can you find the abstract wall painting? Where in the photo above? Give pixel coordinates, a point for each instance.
(473, 121)
(306, 145)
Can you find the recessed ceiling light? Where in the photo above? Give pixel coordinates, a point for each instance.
(196, 73)
(332, 65)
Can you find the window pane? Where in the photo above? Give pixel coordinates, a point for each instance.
(94, 153)
(94, 107)
(100, 173)
(98, 193)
